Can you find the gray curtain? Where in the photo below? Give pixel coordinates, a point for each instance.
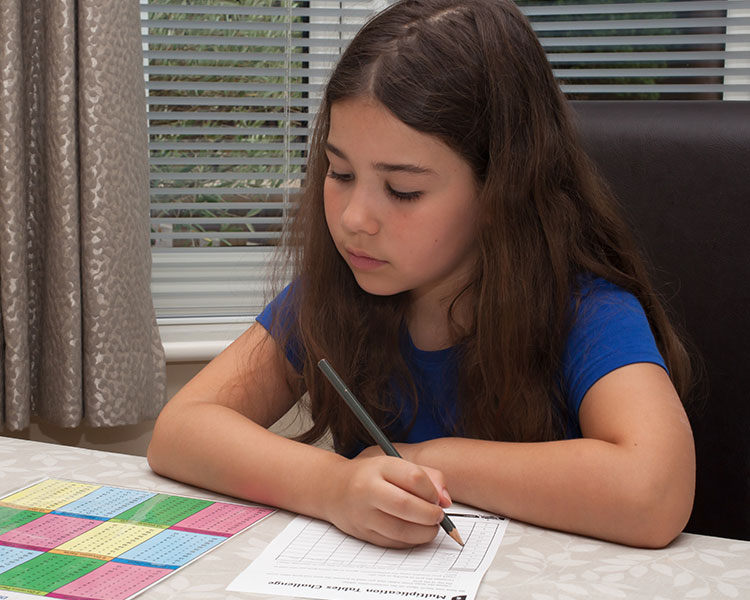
(78, 333)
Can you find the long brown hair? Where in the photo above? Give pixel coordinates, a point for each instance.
(473, 74)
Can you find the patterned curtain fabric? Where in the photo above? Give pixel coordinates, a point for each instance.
(78, 336)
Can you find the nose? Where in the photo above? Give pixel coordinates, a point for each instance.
(358, 214)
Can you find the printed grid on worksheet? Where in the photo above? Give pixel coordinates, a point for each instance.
(73, 540)
(321, 543)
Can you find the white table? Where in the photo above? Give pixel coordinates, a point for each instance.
(532, 563)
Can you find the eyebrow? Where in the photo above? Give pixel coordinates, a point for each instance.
(387, 167)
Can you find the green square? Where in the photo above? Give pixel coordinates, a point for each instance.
(163, 510)
(10, 518)
(47, 572)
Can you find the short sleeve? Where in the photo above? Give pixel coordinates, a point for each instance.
(279, 319)
(610, 331)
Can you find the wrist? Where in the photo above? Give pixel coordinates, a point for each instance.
(420, 453)
(330, 487)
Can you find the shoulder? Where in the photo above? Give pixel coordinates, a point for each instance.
(609, 329)
(597, 295)
(279, 318)
(602, 312)
(280, 311)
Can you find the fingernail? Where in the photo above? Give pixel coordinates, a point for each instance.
(447, 496)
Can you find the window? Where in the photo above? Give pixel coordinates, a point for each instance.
(673, 50)
(233, 87)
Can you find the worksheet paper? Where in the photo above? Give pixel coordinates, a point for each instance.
(313, 559)
(75, 541)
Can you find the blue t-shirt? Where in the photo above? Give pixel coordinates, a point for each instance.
(610, 331)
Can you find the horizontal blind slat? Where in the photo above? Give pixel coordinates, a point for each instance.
(217, 235)
(228, 131)
(548, 9)
(219, 205)
(647, 72)
(244, 146)
(227, 176)
(225, 116)
(231, 87)
(216, 40)
(645, 56)
(217, 220)
(244, 26)
(639, 24)
(650, 88)
(641, 40)
(218, 191)
(217, 160)
(231, 56)
(276, 71)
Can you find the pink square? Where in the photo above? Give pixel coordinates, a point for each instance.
(222, 519)
(47, 532)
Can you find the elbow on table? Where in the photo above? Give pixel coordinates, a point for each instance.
(659, 532)
(660, 512)
(156, 452)
(152, 457)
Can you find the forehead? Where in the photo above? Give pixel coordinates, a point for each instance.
(364, 128)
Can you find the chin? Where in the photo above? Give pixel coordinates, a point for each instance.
(376, 287)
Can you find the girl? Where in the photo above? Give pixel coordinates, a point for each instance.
(463, 269)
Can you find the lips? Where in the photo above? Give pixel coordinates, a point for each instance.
(362, 261)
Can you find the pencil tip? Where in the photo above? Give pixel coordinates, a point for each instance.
(455, 535)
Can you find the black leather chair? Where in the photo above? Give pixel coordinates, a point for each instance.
(681, 171)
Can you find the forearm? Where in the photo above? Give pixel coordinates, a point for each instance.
(587, 486)
(214, 447)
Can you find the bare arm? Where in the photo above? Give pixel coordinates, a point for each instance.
(631, 479)
(213, 434)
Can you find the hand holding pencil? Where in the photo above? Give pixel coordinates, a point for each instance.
(375, 431)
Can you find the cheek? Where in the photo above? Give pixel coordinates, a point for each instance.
(453, 235)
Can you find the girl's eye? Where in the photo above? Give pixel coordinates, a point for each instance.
(403, 196)
(338, 176)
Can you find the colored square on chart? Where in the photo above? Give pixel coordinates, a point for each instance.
(47, 572)
(111, 581)
(10, 518)
(108, 540)
(163, 510)
(47, 532)
(49, 494)
(12, 557)
(105, 503)
(222, 518)
(171, 549)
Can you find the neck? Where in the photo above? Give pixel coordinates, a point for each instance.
(430, 324)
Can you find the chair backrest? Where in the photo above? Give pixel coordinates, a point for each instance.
(681, 171)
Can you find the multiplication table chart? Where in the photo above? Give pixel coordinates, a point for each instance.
(73, 540)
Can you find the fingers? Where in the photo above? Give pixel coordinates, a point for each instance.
(386, 530)
(413, 486)
(388, 501)
(438, 480)
(437, 477)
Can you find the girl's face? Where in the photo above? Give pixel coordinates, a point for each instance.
(400, 204)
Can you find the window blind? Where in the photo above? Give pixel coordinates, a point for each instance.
(232, 90)
(679, 49)
(233, 87)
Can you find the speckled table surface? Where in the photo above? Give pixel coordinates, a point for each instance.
(531, 563)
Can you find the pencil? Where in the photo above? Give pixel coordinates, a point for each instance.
(374, 430)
